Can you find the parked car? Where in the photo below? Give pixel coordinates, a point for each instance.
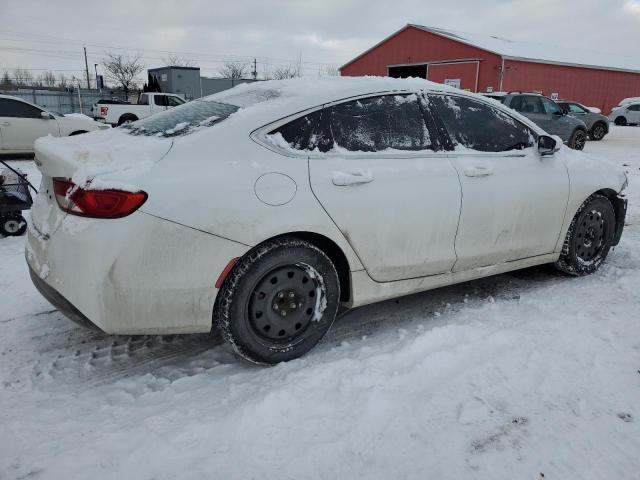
(148, 104)
(262, 209)
(21, 123)
(628, 114)
(546, 113)
(597, 124)
(626, 101)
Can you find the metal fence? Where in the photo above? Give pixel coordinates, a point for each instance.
(60, 101)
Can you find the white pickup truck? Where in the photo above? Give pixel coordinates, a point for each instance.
(148, 104)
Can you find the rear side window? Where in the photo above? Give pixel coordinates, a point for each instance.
(634, 108)
(144, 99)
(527, 104)
(480, 127)
(379, 123)
(17, 109)
(304, 133)
(160, 100)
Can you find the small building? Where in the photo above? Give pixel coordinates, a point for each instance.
(485, 63)
(187, 82)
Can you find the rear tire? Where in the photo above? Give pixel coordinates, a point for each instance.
(578, 140)
(621, 121)
(278, 301)
(13, 226)
(589, 237)
(598, 131)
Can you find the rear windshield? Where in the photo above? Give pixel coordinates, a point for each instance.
(183, 119)
(201, 113)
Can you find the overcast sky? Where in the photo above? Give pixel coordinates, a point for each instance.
(45, 34)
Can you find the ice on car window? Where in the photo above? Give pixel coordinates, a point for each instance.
(200, 113)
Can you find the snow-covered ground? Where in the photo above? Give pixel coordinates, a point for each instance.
(511, 377)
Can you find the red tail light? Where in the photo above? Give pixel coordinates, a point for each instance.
(104, 111)
(96, 203)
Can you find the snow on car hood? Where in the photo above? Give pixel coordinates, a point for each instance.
(106, 159)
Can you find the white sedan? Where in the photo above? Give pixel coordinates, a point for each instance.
(21, 123)
(264, 209)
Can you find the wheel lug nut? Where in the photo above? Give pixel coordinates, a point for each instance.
(292, 305)
(290, 294)
(281, 295)
(283, 313)
(275, 306)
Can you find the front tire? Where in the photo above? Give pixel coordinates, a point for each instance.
(278, 301)
(589, 237)
(621, 121)
(578, 140)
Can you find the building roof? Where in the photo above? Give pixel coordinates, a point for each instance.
(531, 51)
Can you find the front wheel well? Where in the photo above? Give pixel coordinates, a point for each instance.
(619, 207)
(335, 254)
(77, 132)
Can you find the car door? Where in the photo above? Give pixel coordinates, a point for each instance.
(513, 200)
(380, 178)
(633, 113)
(159, 103)
(22, 123)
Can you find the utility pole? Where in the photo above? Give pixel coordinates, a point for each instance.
(255, 69)
(86, 66)
(95, 66)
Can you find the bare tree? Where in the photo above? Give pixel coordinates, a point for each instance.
(233, 70)
(328, 71)
(288, 71)
(48, 79)
(22, 77)
(63, 81)
(176, 61)
(123, 70)
(6, 80)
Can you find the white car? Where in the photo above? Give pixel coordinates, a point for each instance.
(265, 208)
(628, 114)
(21, 123)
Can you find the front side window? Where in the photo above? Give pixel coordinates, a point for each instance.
(174, 101)
(527, 104)
(634, 108)
(575, 108)
(550, 107)
(477, 126)
(17, 109)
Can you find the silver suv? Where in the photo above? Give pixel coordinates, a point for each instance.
(547, 115)
(597, 123)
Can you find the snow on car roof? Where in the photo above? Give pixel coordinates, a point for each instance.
(538, 52)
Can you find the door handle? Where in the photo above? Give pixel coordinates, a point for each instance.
(5, 124)
(342, 179)
(478, 171)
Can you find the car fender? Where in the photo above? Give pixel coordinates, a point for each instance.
(587, 175)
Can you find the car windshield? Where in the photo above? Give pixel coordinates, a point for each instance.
(200, 113)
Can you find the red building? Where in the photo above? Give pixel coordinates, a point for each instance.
(482, 63)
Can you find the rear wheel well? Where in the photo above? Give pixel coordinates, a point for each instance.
(127, 117)
(335, 253)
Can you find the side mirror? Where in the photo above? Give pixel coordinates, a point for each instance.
(547, 145)
(45, 115)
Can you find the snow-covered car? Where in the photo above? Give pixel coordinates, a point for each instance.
(21, 123)
(264, 209)
(118, 113)
(627, 114)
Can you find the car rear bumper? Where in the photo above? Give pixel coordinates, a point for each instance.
(135, 275)
(57, 300)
